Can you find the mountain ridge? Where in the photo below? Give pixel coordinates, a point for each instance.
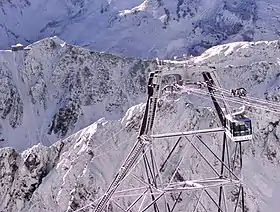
(168, 28)
(53, 88)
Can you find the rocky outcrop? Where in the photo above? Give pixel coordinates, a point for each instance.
(54, 89)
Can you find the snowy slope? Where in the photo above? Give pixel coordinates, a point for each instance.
(164, 28)
(54, 89)
(75, 171)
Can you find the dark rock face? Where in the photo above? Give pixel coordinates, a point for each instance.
(246, 10)
(21, 175)
(11, 105)
(64, 119)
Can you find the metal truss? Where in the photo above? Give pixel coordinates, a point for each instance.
(164, 185)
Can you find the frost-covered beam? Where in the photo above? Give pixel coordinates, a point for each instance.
(184, 185)
(189, 185)
(176, 134)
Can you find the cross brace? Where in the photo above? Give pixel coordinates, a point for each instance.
(178, 134)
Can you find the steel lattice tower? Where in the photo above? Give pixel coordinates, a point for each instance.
(158, 185)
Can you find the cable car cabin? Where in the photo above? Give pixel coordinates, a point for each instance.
(238, 127)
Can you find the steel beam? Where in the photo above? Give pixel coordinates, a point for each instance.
(178, 134)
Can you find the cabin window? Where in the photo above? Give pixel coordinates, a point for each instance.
(249, 126)
(242, 128)
(236, 129)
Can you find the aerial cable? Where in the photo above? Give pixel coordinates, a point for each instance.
(254, 105)
(264, 103)
(257, 100)
(250, 98)
(247, 98)
(256, 114)
(205, 95)
(222, 90)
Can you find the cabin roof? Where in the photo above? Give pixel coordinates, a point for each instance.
(236, 118)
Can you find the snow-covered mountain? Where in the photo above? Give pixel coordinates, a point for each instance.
(54, 89)
(76, 170)
(141, 28)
